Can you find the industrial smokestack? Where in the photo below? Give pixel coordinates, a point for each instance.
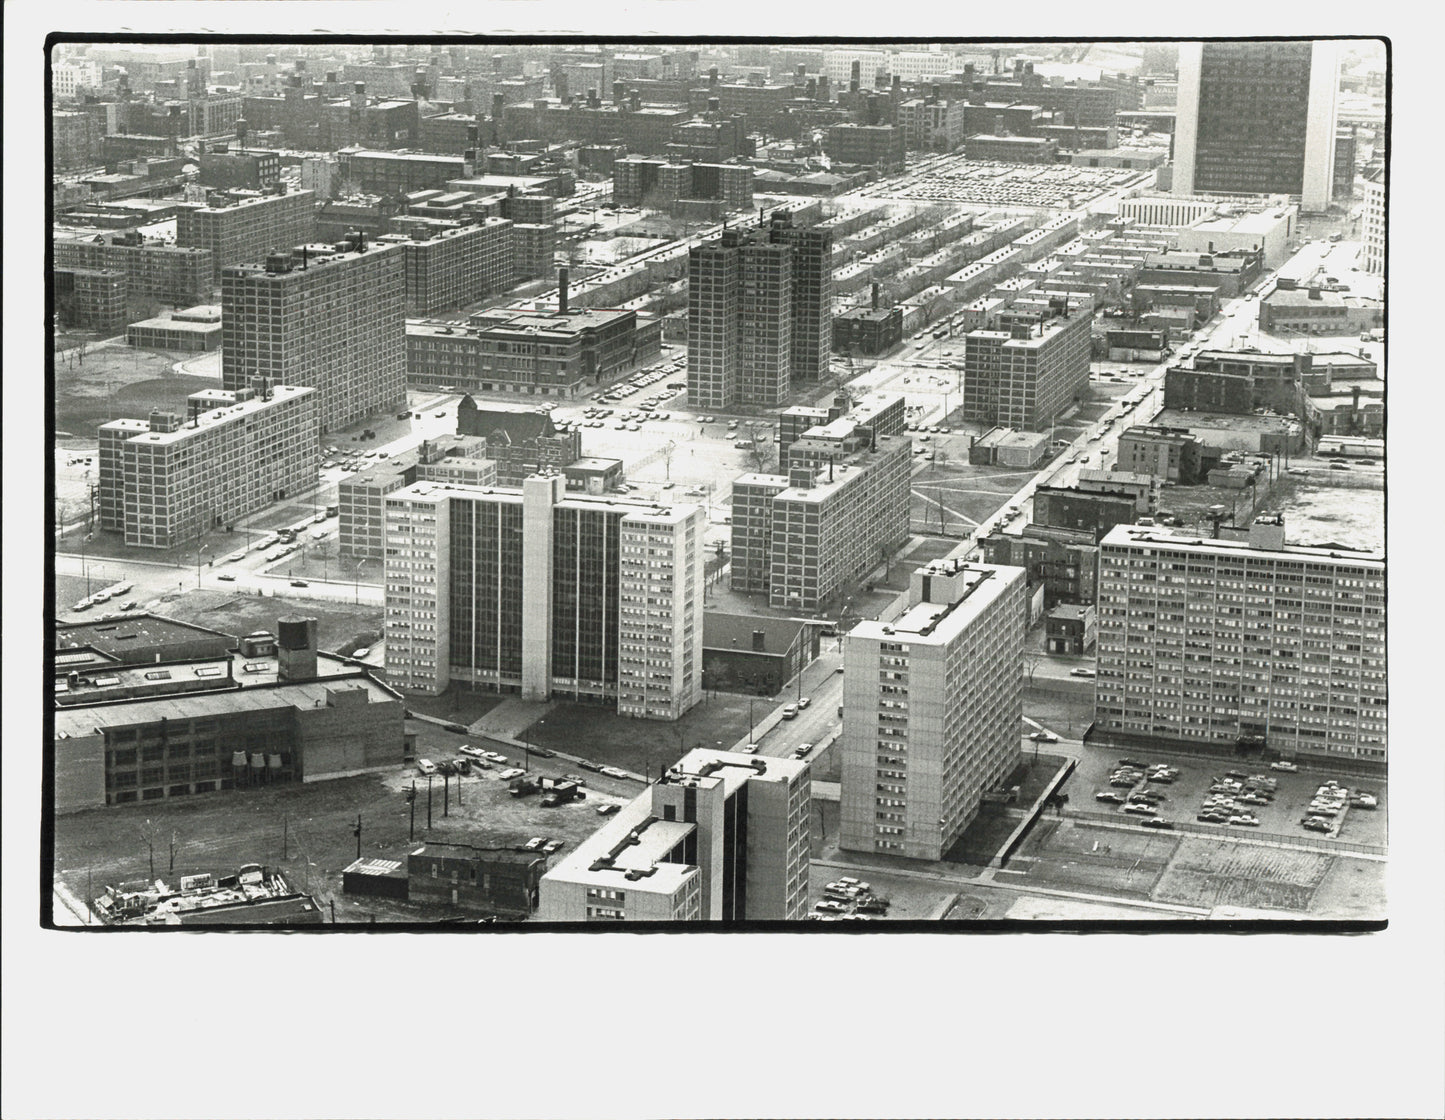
(562, 290)
(875, 295)
(241, 127)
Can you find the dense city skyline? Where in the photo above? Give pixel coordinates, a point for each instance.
(595, 484)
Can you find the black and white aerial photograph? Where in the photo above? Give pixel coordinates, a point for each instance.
(501, 493)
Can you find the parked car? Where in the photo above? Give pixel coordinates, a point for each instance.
(802, 749)
(613, 772)
(830, 906)
(551, 846)
(511, 772)
(494, 756)
(751, 748)
(1081, 673)
(426, 766)
(1284, 766)
(1141, 808)
(1044, 737)
(534, 844)
(1155, 822)
(804, 702)
(229, 577)
(1110, 796)
(1133, 762)
(1244, 818)
(1316, 824)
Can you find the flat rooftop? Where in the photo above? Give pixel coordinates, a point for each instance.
(613, 844)
(77, 720)
(939, 623)
(638, 507)
(256, 201)
(1176, 418)
(220, 409)
(1126, 535)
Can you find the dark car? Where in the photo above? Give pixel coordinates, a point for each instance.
(299, 583)
(1155, 822)
(1132, 762)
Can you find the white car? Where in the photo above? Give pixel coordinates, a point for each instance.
(493, 756)
(613, 772)
(508, 775)
(751, 748)
(426, 766)
(475, 752)
(1284, 767)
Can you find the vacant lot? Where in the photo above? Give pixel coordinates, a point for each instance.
(340, 627)
(1222, 873)
(114, 381)
(1351, 888)
(600, 734)
(1074, 856)
(955, 497)
(307, 831)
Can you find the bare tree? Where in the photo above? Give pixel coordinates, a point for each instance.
(668, 450)
(1032, 660)
(148, 838)
(175, 837)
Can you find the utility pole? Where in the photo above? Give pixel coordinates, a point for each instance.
(446, 794)
(285, 836)
(411, 800)
(357, 832)
(428, 802)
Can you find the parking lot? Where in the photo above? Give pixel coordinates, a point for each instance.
(987, 183)
(1184, 797)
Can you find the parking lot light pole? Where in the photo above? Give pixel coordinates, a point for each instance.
(428, 802)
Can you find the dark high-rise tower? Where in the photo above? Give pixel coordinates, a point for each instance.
(760, 307)
(1257, 118)
(812, 295)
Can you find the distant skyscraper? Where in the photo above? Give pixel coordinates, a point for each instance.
(331, 320)
(1257, 118)
(1373, 230)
